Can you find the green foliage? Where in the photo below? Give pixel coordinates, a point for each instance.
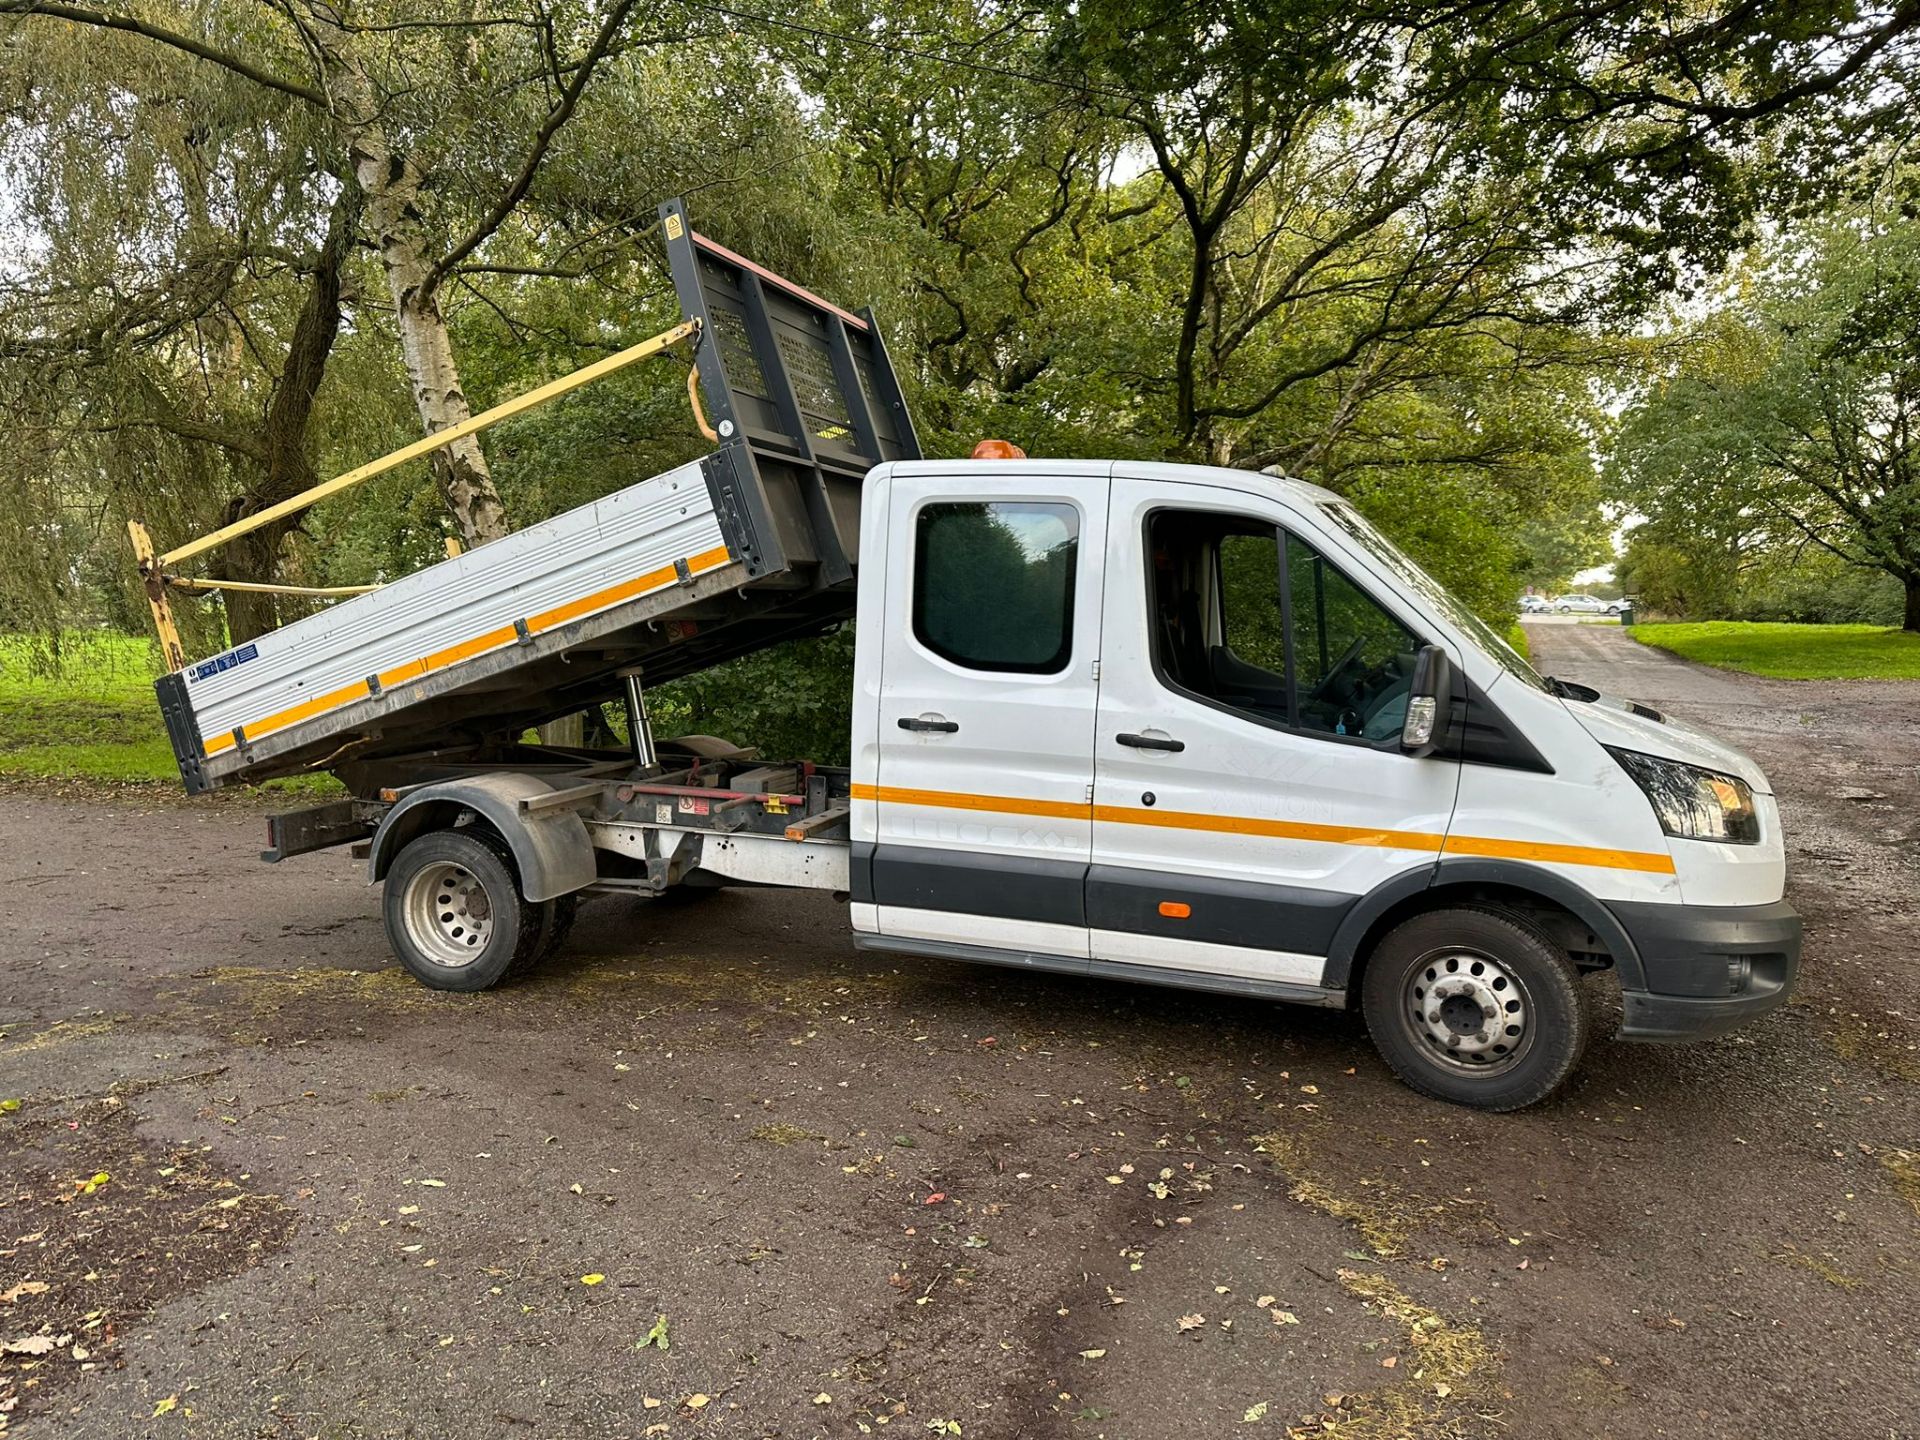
(1790, 422)
(1792, 652)
(792, 702)
(1390, 247)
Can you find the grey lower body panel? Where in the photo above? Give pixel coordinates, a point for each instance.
(1708, 968)
(1252, 989)
(1249, 913)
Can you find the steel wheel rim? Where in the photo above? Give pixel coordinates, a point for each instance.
(1467, 1011)
(449, 914)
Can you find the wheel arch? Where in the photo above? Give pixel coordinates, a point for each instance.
(552, 853)
(1571, 917)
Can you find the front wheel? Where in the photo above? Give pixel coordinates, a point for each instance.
(454, 914)
(1475, 1006)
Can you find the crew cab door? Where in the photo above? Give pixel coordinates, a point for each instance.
(987, 695)
(1249, 785)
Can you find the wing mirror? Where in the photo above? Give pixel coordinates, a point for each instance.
(1428, 701)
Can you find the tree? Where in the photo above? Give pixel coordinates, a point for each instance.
(337, 67)
(171, 318)
(1796, 412)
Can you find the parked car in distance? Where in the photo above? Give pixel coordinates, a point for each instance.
(1587, 605)
(1534, 605)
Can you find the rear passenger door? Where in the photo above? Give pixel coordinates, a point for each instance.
(988, 690)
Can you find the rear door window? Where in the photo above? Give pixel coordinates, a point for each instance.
(993, 585)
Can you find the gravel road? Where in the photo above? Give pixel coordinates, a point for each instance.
(846, 1195)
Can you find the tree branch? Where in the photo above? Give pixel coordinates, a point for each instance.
(558, 116)
(132, 25)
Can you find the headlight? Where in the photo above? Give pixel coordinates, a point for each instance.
(1692, 803)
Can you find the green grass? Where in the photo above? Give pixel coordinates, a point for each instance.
(92, 716)
(1791, 652)
(1517, 638)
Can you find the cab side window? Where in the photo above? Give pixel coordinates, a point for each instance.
(993, 583)
(1254, 620)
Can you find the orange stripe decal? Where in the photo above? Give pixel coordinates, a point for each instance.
(955, 800)
(1269, 829)
(1641, 860)
(1423, 840)
(494, 639)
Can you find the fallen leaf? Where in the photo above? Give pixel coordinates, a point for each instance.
(7, 1107)
(409, 1209)
(1389, 1362)
(164, 1407)
(935, 1198)
(1443, 1390)
(1285, 1317)
(434, 1184)
(1264, 1301)
(25, 1287)
(698, 1402)
(1255, 1413)
(1190, 1322)
(650, 1402)
(656, 1335)
(823, 1398)
(1091, 1354)
(30, 1345)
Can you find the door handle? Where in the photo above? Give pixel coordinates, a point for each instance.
(1152, 742)
(925, 726)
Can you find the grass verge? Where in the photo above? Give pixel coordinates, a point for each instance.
(90, 714)
(1791, 652)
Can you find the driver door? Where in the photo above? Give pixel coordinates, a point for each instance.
(1248, 784)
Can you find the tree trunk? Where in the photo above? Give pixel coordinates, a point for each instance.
(392, 185)
(1912, 620)
(283, 438)
(254, 557)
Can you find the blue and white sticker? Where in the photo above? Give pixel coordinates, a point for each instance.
(207, 669)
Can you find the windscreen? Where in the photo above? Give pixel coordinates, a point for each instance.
(1430, 590)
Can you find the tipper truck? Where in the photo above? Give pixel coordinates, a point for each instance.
(1166, 723)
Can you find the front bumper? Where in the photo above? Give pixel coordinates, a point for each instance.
(1708, 968)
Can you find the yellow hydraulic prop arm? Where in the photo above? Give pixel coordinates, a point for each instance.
(427, 444)
(156, 580)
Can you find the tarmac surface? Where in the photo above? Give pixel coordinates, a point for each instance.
(712, 1172)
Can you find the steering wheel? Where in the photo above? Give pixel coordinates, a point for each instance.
(1339, 666)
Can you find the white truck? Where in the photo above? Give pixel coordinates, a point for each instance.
(1166, 723)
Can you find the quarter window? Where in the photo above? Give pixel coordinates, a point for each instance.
(993, 583)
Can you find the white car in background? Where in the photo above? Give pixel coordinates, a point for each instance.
(1587, 605)
(1534, 605)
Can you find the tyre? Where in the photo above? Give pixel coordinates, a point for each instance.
(454, 914)
(1476, 1007)
(555, 924)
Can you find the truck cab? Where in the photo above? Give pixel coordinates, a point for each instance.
(1209, 728)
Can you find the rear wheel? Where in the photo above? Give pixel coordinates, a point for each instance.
(1477, 1007)
(453, 911)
